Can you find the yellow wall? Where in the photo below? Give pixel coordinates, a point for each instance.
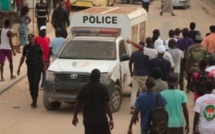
(91, 3)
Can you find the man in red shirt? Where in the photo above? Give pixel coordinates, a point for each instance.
(18, 3)
(68, 6)
(44, 42)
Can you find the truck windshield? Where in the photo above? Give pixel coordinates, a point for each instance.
(98, 50)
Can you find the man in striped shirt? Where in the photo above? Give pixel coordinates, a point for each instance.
(42, 14)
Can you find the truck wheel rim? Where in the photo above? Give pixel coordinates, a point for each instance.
(115, 99)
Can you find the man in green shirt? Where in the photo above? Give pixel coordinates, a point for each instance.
(176, 102)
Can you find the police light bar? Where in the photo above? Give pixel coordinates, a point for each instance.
(77, 31)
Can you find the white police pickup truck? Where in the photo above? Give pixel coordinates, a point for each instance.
(97, 40)
(90, 48)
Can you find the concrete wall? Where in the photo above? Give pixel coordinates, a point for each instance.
(211, 3)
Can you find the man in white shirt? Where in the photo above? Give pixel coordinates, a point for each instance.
(177, 56)
(171, 36)
(6, 49)
(204, 118)
(152, 53)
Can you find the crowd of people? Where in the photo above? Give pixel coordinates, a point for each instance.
(37, 58)
(162, 66)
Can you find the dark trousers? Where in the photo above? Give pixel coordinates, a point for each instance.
(174, 130)
(97, 129)
(189, 79)
(54, 3)
(181, 77)
(41, 23)
(145, 6)
(34, 74)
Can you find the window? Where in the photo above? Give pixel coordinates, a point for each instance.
(122, 48)
(98, 50)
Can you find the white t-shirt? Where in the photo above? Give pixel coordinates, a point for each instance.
(205, 106)
(177, 55)
(152, 53)
(158, 42)
(5, 44)
(166, 43)
(210, 69)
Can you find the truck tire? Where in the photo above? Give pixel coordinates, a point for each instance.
(116, 99)
(50, 105)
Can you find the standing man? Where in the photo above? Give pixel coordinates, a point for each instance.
(44, 42)
(209, 41)
(152, 53)
(56, 44)
(144, 104)
(160, 85)
(171, 36)
(6, 49)
(95, 98)
(60, 18)
(138, 73)
(176, 102)
(193, 56)
(167, 7)
(68, 6)
(34, 60)
(42, 14)
(160, 62)
(177, 55)
(204, 118)
(149, 42)
(145, 4)
(183, 44)
(193, 32)
(177, 33)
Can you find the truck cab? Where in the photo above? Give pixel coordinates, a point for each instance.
(87, 49)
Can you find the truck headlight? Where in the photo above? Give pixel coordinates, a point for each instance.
(50, 76)
(105, 78)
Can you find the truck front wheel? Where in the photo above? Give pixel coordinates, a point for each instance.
(50, 105)
(116, 99)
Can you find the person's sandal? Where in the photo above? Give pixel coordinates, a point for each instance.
(13, 77)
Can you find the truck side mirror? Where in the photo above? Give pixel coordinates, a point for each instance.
(124, 57)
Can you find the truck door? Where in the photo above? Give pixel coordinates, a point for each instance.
(124, 68)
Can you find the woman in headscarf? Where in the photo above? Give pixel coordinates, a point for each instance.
(23, 27)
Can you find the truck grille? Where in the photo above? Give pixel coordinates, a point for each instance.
(67, 91)
(81, 78)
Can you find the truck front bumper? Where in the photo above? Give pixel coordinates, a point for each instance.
(62, 92)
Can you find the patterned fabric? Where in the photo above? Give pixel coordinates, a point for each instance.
(194, 55)
(23, 30)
